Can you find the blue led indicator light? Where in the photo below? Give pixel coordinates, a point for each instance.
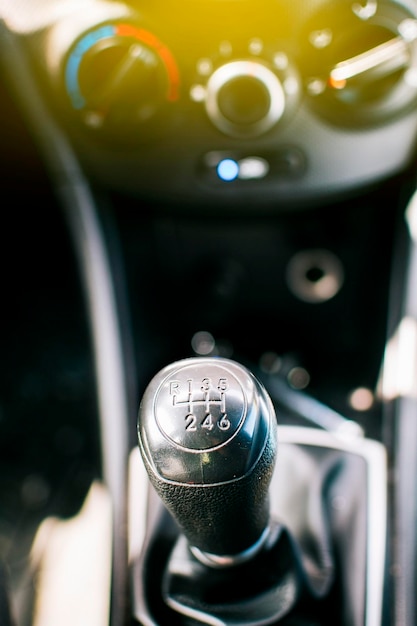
(228, 170)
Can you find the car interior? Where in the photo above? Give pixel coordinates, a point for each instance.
(208, 391)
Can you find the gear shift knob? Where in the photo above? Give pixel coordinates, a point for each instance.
(207, 435)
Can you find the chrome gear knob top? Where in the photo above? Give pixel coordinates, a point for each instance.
(208, 437)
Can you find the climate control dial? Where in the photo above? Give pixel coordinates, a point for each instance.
(120, 79)
(245, 96)
(360, 62)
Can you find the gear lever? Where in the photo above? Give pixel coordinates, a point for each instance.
(208, 437)
(207, 434)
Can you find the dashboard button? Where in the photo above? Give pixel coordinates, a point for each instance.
(238, 167)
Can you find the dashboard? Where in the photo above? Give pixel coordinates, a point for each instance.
(217, 102)
(209, 179)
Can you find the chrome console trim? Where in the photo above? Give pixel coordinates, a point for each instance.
(374, 454)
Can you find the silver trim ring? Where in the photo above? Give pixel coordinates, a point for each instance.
(315, 275)
(223, 561)
(251, 69)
